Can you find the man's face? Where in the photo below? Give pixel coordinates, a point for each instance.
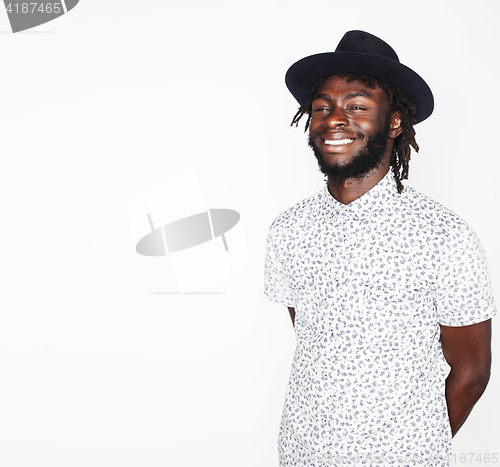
(350, 128)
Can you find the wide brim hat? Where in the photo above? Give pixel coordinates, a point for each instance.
(365, 54)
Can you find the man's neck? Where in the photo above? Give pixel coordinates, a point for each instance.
(349, 190)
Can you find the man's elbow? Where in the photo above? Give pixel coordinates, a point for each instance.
(473, 380)
(480, 380)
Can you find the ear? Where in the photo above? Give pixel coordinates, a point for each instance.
(396, 128)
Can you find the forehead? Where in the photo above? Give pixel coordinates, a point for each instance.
(336, 86)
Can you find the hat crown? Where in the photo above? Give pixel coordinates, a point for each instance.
(364, 42)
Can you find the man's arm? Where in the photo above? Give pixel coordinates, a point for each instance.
(467, 350)
(292, 314)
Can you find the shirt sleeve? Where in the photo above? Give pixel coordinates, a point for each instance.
(464, 293)
(276, 280)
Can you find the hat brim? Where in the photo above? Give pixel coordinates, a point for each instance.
(302, 76)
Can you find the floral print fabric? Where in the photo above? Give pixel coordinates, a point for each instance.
(371, 282)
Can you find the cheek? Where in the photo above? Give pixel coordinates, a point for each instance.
(315, 124)
(365, 127)
(371, 126)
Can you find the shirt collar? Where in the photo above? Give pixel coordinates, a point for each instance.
(381, 195)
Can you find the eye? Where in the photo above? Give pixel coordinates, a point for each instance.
(357, 107)
(320, 108)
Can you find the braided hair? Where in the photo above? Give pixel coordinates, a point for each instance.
(400, 155)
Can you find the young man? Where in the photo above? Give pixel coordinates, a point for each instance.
(388, 290)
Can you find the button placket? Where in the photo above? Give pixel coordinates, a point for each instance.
(337, 249)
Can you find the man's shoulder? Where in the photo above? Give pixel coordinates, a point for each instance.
(432, 213)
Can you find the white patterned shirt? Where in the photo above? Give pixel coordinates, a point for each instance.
(371, 282)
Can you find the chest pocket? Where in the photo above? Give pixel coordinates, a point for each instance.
(388, 315)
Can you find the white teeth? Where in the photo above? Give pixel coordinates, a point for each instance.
(338, 142)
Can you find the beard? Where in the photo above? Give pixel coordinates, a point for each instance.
(363, 161)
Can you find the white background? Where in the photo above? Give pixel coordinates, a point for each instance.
(101, 364)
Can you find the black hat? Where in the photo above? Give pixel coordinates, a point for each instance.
(366, 54)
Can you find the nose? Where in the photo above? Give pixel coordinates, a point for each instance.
(336, 117)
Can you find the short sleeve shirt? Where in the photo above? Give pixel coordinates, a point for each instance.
(371, 283)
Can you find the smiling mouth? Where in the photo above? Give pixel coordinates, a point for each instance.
(338, 142)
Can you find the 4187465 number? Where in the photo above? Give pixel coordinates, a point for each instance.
(31, 8)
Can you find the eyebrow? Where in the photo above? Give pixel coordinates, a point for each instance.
(346, 96)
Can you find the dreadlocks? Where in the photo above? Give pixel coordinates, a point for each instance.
(400, 156)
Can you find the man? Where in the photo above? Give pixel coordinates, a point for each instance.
(388, 291)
